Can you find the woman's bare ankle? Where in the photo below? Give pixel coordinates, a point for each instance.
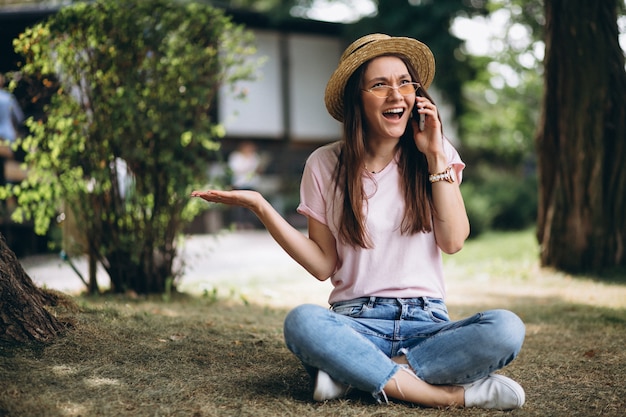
(400, 360)
(406, 386)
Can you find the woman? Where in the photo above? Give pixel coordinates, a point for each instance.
(381, 206)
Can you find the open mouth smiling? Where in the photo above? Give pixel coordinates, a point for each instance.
(394, 114)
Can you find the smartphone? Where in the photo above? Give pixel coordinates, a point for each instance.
(420, 118)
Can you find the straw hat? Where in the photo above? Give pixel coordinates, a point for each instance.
(371, 46)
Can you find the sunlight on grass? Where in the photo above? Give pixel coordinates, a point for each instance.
(63, 370)
(73, 409)
(497, 252)
(98, 382)
(499, 268)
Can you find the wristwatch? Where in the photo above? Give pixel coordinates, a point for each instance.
(442, 176)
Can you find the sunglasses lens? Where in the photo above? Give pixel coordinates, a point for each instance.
(406, 89)
(381, 91)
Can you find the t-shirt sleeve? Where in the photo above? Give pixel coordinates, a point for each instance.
(314, 186)
(454, 159)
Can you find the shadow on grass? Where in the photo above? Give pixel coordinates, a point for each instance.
(198, 357)
(611, 276)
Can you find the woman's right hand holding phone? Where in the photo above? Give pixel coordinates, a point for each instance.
(429, 140)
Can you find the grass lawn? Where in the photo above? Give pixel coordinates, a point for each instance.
(210, 356)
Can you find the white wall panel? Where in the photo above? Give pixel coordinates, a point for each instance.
(261, 113)
(312, 59)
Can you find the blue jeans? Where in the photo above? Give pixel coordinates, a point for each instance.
(354, 341)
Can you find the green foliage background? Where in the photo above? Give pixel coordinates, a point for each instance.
(500, 119)
(131, 127)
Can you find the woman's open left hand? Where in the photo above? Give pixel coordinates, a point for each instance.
(243, 198)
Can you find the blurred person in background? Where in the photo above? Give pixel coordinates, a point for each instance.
(11, 118)
(245, 165)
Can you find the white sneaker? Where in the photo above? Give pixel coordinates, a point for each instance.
(327, 388)
(494, 391)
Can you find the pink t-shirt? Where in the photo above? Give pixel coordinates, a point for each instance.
(398, 265)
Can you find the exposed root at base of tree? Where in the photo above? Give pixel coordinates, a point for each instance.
(29, 313)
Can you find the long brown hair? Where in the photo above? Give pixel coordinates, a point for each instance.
(416, 188)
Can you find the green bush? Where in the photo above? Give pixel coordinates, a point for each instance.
(478, 210)
(130, 130)
(500, 202)
(515, 203)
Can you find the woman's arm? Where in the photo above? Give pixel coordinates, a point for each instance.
(317, 253)
(450, 222)
(451, 225)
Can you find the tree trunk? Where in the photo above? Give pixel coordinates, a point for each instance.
(23, 313)
(582, 138)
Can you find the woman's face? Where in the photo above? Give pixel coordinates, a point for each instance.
(386, 118)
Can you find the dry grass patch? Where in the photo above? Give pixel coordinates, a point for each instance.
(200, 356)
(193, 357)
